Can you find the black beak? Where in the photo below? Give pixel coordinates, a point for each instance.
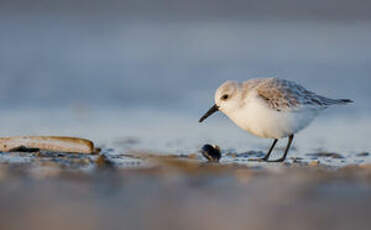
(213, 109)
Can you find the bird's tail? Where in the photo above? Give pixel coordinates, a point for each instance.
(329, 101)
(344, 101)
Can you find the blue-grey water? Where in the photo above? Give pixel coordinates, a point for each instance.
(116, 76)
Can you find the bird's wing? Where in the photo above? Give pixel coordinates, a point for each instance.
(284, 95)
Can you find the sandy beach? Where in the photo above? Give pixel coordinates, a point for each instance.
(63, 191)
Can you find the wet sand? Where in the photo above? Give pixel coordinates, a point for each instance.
(150, 191)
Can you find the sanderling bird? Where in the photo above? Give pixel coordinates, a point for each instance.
(270, 108)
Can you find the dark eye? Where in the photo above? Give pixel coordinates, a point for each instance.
(225, 97)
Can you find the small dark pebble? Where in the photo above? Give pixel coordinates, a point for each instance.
(211, 152)
(103, 162)
(97, 151)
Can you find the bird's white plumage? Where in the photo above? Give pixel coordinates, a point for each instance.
(270, 107)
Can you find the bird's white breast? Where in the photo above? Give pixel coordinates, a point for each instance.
(259, 119)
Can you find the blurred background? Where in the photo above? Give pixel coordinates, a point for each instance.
(111, 69)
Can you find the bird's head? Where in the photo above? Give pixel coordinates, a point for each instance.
(224, 99)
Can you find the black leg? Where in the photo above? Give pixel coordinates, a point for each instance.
(266, 157)
(291, 138)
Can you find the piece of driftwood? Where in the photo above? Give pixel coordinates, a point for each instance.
(49, 143)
